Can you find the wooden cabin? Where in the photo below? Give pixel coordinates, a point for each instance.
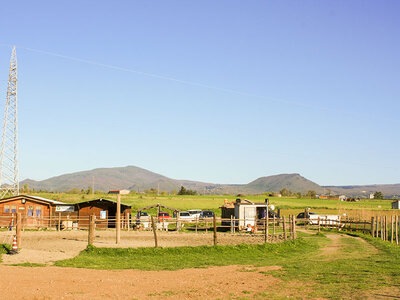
(105, 211)
(35, 211)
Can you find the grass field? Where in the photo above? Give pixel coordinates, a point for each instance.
(357, 267)
(364, 208)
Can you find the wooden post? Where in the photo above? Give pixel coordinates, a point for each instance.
(284, 229)
(59, 222)
(377, 226)
(154, 232)
(391, 233)
(373, 226)
(197, 221)
(178, 223)
(255, 224)
(128, 220)
(305, 218)
(294, 227)
(386, 229)
(215, 229)
(397, 229)
(265, 231)
(274, 225)
(92, 224)
(18, 229)
(267, 218)
(231, 224)
(319, 224)
(118, 221)
(382, 236)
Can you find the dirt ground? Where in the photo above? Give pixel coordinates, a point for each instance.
(227, 282)
(68, 283)
(45, 247)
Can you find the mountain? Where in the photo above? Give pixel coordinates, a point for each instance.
(138, 179)
(388, 190)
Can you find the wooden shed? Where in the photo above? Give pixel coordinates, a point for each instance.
(36, 211)
(105, 211)
(244, 211)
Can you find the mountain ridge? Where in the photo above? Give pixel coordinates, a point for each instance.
(139, 179)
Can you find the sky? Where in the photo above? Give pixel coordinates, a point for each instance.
(215, 91)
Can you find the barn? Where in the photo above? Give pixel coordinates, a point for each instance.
(105, 211)
(36, 211)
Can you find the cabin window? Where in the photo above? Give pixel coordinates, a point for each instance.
(38, 211)
(13, 208)
(6, 208)
(30, 211)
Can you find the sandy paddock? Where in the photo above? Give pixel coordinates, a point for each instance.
(49, 246)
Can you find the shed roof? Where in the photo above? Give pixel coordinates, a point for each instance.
(37, 198)
(108, 201)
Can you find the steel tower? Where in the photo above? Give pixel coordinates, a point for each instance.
(9, 171)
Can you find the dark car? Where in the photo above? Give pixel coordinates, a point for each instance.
(207, 214)
(302, 215)
(142, 214)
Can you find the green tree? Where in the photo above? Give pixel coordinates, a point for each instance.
(311, 194)
(378, 195)
(285, 192)
(184, 191)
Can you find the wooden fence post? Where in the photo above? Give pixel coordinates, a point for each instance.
(294, 226)
(197, 221)
(386, 229)
(59, 222)
(92, 224)
(215, 229)
(154, 232)
(382, 236)
(391, 233)
(284, 229)
(267, 222)
(319, 224)
(377, 226)
(372, 226)
(274, 226)
(18, 229)
(397, 230)
(231, 224)
(265, 231)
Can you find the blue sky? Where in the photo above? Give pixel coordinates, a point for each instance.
(263, 87)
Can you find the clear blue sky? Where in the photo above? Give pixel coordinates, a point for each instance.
(309, 87)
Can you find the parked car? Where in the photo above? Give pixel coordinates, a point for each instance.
(207, 214)
(185, 215)
(195, 213)
(302, 215)
(323, 219)
(163, 215)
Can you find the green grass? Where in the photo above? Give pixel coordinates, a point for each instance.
(214, 202)
(353, 271)
(28, 264)
(188, 257)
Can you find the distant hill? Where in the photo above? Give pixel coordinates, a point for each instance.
(388, 190)
(138, 179)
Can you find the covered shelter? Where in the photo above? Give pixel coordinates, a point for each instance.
(35, 211)
(105, 211)
(244, 211)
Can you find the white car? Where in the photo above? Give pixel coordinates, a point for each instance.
(185, 215)
(195, 213)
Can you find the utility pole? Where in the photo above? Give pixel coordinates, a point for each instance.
(9, 171)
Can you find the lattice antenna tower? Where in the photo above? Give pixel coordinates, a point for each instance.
(9, 171)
